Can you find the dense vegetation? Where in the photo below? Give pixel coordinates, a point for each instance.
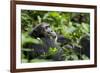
(71, 25)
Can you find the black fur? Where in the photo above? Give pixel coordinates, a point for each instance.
(85, 43)
(79, 19)
(47, 36)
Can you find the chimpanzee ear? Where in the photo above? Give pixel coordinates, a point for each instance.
(33, 33)
(36, 31)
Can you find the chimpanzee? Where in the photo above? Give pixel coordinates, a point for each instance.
(48, 37)
(85, 43)
(79, 18)
(63, 40)
(83, 49)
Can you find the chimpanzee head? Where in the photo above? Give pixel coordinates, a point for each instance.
(80, 18)
(42, 30)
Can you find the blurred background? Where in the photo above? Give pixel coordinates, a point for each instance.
(71, 25)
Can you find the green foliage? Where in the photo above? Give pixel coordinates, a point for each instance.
(52, 51)
(36, 60)
(61, 23)
(27, 39)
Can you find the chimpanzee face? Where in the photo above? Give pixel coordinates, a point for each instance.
(43, 30)
(47, 30)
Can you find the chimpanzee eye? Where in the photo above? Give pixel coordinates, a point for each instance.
(47, 27)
